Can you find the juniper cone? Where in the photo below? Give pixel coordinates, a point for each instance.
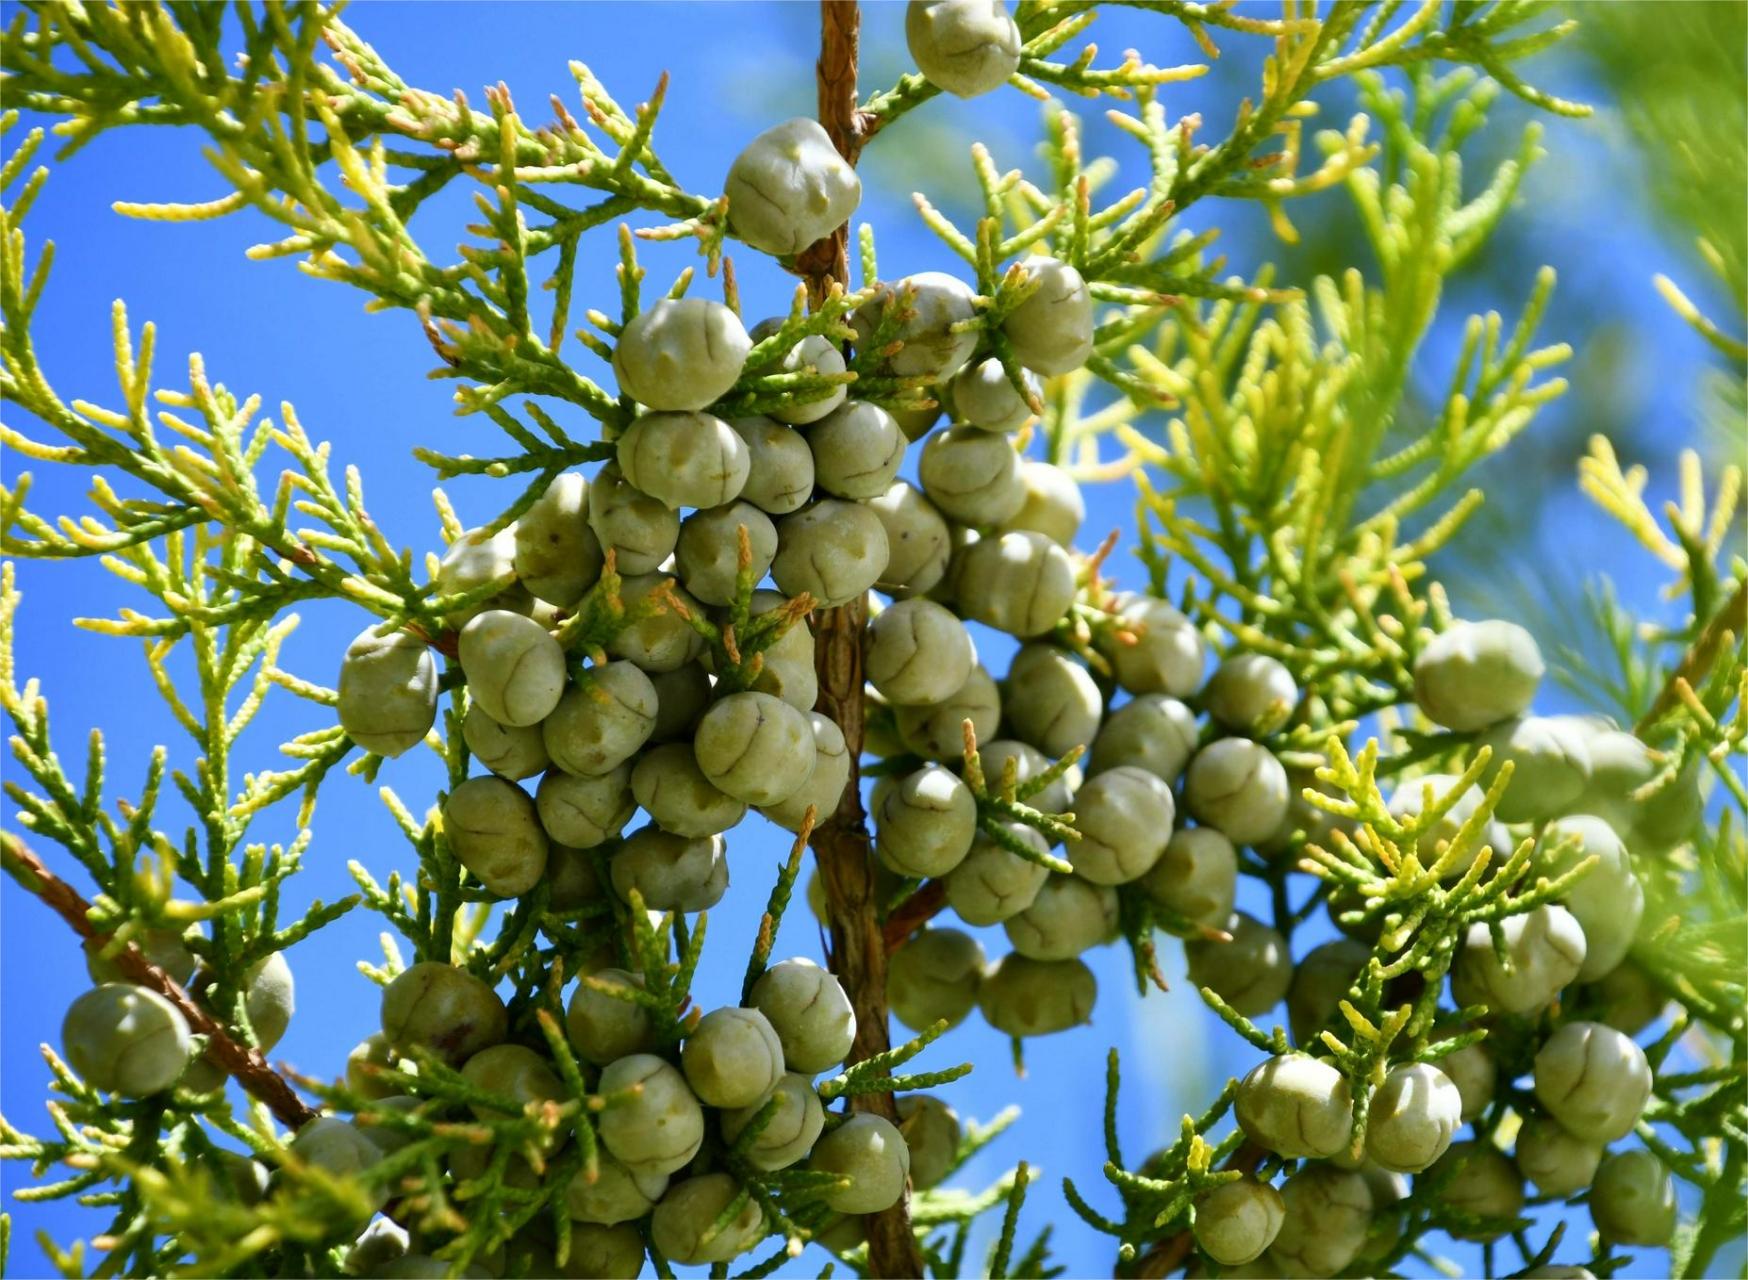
(924, 822)
(1250, 969)
(605, 1022)
(670, 872)
(857, 449)
(1051, 330)
(871, 1157)
(733, 1058)
(707, 553)
(388, 691)
(669, 786)
(337, 1148)
(1457, 804)
(1608, 902)
(443, 1009)
(1051, 701)
(779, 465)
(1296, 1106)
(918, 541)
(1054, 505)
(1472, 1069)
(985, 397)
(935, 977)
(1632, 1199)
(1543, 951)
(1237, 1221)
(514, 668)
(123, 1038)
(516, 1074)
(939, 730)
(477, 561)
(659, 1126)
(1151, 732)
(814, 354)
(165, 948)
(967, 47)
(1196, 876)
(809, 1012)
(1124, 817)
(510, 752)
(1068, 915)
(825, 786)
(680, 354)
(680, 594)
(1414, 1114)
(1059, 785)
(1554, 1161)
(660, 640)
(1593, 1080)
(269, 998)
(1321, 980)
(1327, 1213)
(792, 1129)
(640, 530)
(558, 557)
(685, 1224)
(613, 1194)
(582, 812)
(932, 1134)
(1550, 763)
(1481, 1184)
(998, 879)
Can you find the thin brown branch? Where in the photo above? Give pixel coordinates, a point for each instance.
(841, 845)
(1731, 620)
(914, 912)
(259, 1080)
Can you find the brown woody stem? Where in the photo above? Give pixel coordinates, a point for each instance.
(913, 913)
(259, 1080)
(846, 867)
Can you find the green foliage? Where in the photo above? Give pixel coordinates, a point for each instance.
(1288, 497)
(1700, 183)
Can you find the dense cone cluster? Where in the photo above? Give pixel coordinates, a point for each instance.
(634, 670)
(703, 707)
(1552, 988)
(738, 1081)
(1104, 777)
(620, 768)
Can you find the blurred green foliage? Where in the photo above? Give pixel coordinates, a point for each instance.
(1679, 74)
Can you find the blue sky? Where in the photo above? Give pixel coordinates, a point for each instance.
(359, 381)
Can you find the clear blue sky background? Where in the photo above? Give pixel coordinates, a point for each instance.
(359, 381)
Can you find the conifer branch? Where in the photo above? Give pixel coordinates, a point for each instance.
(246, 1063)
(1291, 469)
(1730, 622)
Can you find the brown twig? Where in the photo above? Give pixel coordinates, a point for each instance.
(914, 912)
(840, 23)
(846, 867)
(1731, 620)
(259, 1080)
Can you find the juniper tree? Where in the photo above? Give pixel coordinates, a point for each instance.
(1285, 694)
